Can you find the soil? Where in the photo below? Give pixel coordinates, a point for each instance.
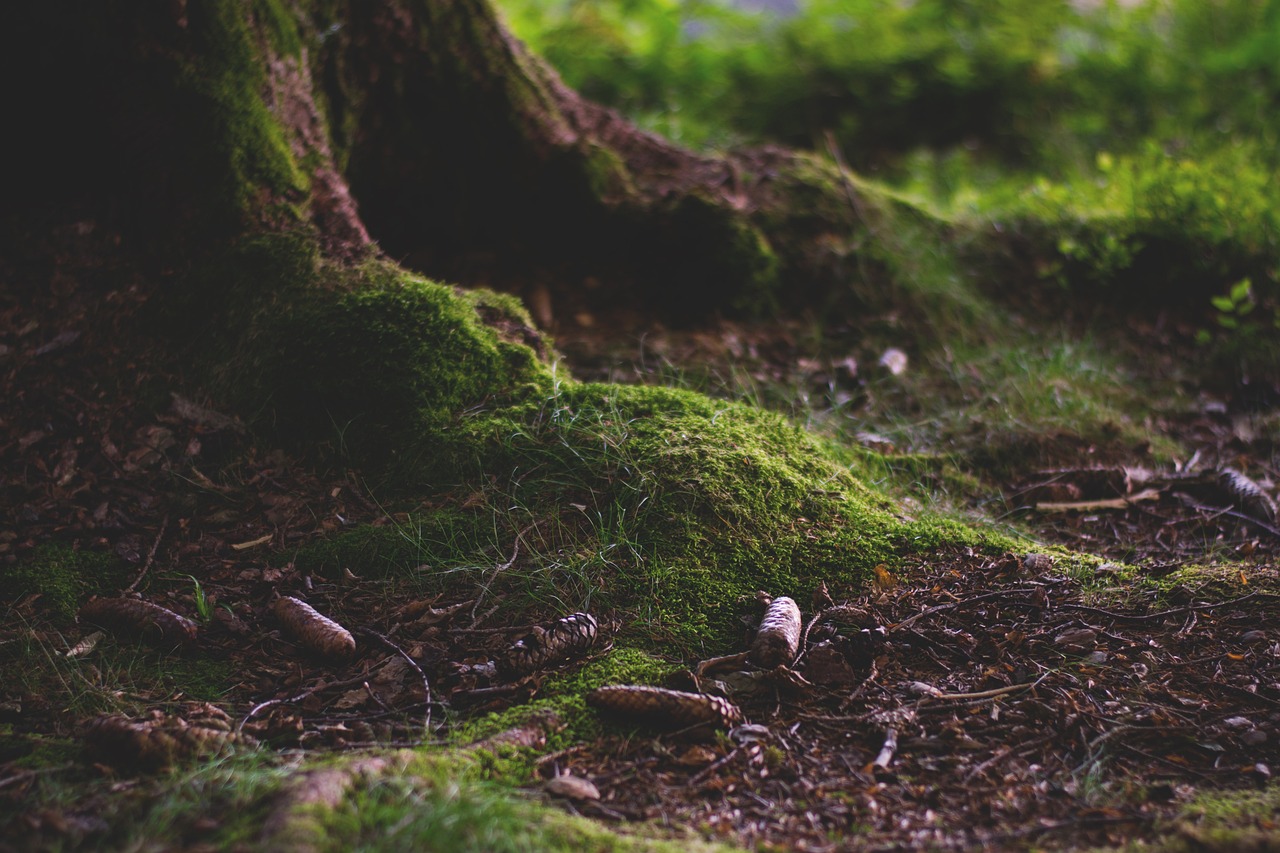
(967, 701)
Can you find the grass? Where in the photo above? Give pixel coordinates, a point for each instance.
(115, 677)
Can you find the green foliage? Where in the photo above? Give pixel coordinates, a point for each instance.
(1028, 81)
(1131, 144)
(1220, 207)
(677, 507)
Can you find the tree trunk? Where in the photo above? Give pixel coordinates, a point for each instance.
(256, 161)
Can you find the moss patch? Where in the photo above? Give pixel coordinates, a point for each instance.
(663, 505)
(1228, 820)
(63, 576)
(388, 357)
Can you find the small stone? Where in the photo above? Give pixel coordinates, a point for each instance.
(1037, 564)
(1253, 737)
(894, 360)
(572, 787)
(1076, 639)
(1253, 636)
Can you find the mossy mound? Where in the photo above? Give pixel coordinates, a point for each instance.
(385, 356)
(663, 504)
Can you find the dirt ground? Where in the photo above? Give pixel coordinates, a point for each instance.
(964, 701)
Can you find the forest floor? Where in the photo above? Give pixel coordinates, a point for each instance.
(967, 701)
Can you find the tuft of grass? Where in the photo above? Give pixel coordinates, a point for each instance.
(115, 677)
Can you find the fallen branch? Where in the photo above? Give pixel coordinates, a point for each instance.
(493, 575)
(1105, 503)
(426, 683)
(887, 751)
(271, 703)
(1002, 593)
(151, 557)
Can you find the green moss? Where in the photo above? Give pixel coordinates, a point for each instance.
(607, 175)
(673, 507)
(728, 261)
(246, 152)
(562, 697)
(280, 27)
(423, 548)
(467, 815)
(63, 576)
(1225, 821)
(376, 364)
(214, 309)
(33, 751)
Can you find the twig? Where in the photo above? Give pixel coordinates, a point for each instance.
(375, 697)
(1151, 617)
(493, 575)
(987, 694)
(887, 751)
(1194, 504)
(426, 683)
(1105, 503)
(1001, 593)
(847, 182)
(31, 774)
(271, 703)
(992, 693)
(151, 556)
(713, 767)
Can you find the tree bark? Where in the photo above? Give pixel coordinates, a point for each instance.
(256, 161)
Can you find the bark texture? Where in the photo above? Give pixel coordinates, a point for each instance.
(249, 161)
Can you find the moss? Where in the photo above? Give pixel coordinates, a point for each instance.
(376, 364)
(673, 507)
(33, 751)
(562, 696)
(249, 150)
(607, 175)
(1225, 821)
(63, 575)
(279, 26)
(727, 261)
(213, 309)
(421, 547)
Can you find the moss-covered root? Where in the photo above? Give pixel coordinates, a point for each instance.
(438, 800)
(297, 824)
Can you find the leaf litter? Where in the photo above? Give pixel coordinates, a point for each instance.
(965, 701)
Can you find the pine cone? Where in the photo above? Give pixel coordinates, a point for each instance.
(133, 617)
(316, 633)
(564, 639)
(150, 745)
(778, 639)
(666, 708)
